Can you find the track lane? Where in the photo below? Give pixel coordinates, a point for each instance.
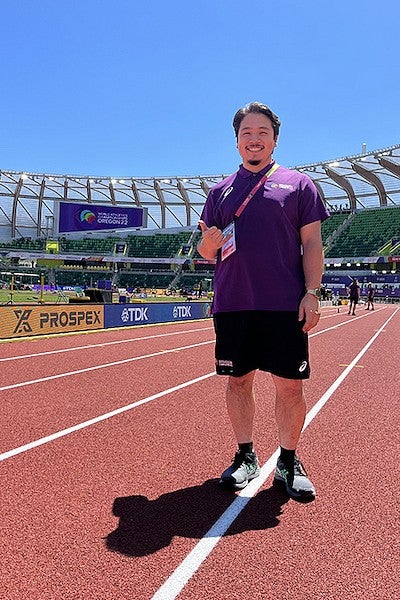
(70, 498)
(49, 360)
(38, 409)
(49, 405)
(342, 546)
(102, 337)
(69, 487)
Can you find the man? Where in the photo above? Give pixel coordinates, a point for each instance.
(263, 225)
(370, 296)
(354, 296)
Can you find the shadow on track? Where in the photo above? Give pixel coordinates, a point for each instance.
(145, 526)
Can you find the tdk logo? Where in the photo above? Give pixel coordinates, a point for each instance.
(134, 314)
(181, 312)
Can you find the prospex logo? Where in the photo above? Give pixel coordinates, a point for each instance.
(66, 319)
(23, 321)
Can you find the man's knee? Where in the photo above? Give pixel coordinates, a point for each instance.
(243, 382)
(288, 388)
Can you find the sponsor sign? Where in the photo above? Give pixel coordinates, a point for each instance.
(126, 315)
(21, 321)
(74, 217)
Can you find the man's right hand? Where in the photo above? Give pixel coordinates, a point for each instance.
(211, 240)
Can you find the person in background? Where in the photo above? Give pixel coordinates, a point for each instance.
(370, 297)
(263, 225)
(354, 296)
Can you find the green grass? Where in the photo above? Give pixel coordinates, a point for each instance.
(26, 297)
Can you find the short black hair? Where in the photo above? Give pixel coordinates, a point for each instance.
(256, 107)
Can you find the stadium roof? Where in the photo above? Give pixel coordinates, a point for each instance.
(368, 180)
(27, 200)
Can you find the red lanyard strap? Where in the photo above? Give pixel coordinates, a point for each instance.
(255, 189)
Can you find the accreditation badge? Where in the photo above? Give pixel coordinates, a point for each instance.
(229, 246)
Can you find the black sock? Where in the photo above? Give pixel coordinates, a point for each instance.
(246, 447)
(287, 456)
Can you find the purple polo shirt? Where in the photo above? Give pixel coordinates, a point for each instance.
(265, 272)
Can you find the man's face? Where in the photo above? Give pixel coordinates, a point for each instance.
(256, 141)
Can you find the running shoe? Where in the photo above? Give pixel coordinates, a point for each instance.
(243, 469)
(297, 483)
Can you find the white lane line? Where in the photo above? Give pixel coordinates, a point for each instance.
(352, 320)
(103, 366)
(318, 405)
(329, 314)
(172, 587)
(103, 344)
(113, 413)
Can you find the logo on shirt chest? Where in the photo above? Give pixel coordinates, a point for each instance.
(282, 186)
(278, 192)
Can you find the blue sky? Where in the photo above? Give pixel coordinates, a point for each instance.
(130, 88)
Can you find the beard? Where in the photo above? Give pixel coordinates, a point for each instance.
(254, 162)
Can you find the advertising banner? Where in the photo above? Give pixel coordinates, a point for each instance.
(385, 286)
(74, 217)
(125, 315)
(21, 321)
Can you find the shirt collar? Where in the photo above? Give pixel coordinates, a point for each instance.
(243, 172)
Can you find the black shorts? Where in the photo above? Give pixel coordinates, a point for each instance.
(270, 341)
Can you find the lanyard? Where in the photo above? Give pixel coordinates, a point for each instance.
(255, 189)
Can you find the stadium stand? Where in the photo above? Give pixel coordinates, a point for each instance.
(156, 245)
(366, 233)
(331, 225)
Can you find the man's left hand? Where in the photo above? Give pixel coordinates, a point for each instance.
(309, 311)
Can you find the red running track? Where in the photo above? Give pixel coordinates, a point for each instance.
(112, 444)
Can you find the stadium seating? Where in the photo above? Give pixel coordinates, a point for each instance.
(366, 233)
(92, 245)
(162, 245)
(331, 225)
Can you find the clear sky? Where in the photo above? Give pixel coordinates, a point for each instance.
(136, 88)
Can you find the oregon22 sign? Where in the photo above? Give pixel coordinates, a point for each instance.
(74, 217)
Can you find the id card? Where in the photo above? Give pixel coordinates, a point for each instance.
(229, 246)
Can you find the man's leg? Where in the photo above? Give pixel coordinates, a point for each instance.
(241, 406)
(290, 412)
(241, 409)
